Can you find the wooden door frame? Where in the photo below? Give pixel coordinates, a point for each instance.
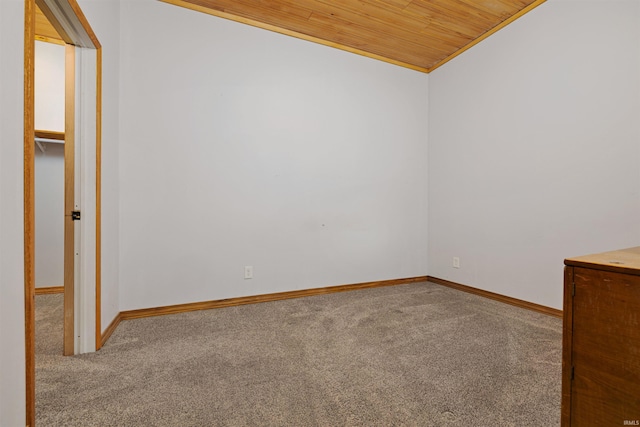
(69, 198)
(84, 37)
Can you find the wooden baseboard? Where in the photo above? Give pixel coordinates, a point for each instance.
(231, 302)
(110, 329)
(502, 298)
(50, 290)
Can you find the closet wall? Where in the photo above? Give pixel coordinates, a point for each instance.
(49, 166)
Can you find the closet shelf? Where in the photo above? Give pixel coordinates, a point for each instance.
(50, 136)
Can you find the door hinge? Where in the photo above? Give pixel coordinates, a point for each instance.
(75, 215)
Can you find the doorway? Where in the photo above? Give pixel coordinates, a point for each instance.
(83, 61)
(49, 170)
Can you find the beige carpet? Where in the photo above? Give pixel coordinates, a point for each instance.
(413, 355)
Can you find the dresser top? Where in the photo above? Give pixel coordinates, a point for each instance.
(622, 261)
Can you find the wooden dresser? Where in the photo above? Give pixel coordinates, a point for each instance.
(601, 340)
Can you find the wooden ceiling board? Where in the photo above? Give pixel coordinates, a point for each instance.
(454, 19)
(44, 30)
(418, 34)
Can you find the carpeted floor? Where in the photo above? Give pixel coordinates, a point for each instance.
(411, 355)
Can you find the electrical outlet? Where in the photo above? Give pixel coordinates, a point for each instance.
(456, 262)
(248, 272)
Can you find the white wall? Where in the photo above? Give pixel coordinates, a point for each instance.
(12, 368)
(244, 147)
(534, 149)
(49, 166)
(49, 86)
(49, 196)
(104, 17)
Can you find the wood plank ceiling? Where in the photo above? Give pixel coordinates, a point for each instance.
(44, 30)
(417, 34)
